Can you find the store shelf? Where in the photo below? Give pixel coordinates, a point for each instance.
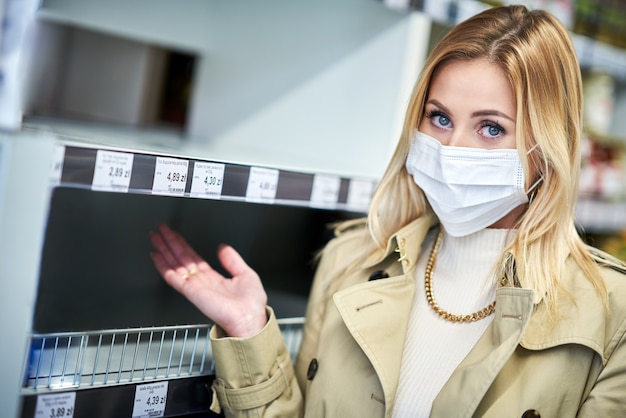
(98, 370)
(106, 358)
(70, 370)
(596, 215)
(123, 171)
(600, 56)
(171, 398)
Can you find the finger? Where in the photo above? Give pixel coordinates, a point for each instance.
(182, 251)
(171, 276)
(197, 263)
(188, 262)
(167, 259)
(232, 261)
(180, 254)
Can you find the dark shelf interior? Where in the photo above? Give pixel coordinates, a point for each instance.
(96, 271)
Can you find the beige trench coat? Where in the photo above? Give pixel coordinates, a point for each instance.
(355, 332)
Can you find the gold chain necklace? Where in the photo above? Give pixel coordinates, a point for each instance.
(476, 316)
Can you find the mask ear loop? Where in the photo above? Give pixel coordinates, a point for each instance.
(534, 187)
(532, 149)
(533, 190)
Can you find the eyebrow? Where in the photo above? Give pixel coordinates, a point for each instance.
(492, 113)
(486, 112)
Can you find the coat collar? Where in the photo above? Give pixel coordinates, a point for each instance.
(582, 320)
(406, 242)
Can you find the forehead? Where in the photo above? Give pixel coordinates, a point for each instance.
(477, 82)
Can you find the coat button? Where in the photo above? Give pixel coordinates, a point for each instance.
(310, 374)
(378, 274)
(531, 413)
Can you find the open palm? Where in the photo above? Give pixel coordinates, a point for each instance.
(236, 304)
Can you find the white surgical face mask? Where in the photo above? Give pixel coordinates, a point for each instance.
(468, 188)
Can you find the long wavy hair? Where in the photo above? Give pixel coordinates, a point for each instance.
(535, 51)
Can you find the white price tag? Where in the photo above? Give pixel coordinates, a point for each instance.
(113, 171)
(150, 400)
(56, 165)
(262, 185)
(325, 192)
(170, 176)
(207, 180)
(58, 405)
(359, 194)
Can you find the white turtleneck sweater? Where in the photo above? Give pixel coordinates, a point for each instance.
(463, 282)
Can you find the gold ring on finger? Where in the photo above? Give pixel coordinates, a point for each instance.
(189, 273)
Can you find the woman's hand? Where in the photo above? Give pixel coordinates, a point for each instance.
(236, 304)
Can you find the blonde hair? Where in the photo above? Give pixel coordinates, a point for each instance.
(535, 51)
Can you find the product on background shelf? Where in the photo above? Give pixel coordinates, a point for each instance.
(603, 173)
(616, 245)
(613, 243)
(599, 101)
(604, 20)
(603, 167)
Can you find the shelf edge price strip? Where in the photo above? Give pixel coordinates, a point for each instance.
(262, 185)
(113, 171)
(207, 180)
(359, 194)
(170, 176)
(150, 400)
(58, 405)
(325, 191)
(56, 165)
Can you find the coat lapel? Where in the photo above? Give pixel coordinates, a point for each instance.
(463, 392)
(376, 313)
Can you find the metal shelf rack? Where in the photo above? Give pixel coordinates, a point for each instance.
(70, 367)
(80, 360)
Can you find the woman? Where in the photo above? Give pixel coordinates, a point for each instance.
(467, 291)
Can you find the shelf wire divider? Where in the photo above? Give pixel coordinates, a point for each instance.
(81, 360)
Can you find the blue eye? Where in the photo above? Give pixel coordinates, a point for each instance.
(443, 120)
(491, 130)
(439, 119)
